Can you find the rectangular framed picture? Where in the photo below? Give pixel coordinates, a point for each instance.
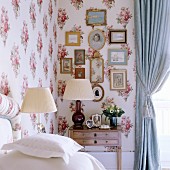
(96, 120)
(117, 56)
(72, 38)
(79, 73)
(79, 57)
(66, 66)
(117, 36)
(96, 17)
(118, 79)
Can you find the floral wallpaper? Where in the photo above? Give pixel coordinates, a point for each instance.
(28, 45)
(120, 15)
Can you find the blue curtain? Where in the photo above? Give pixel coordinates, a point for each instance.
(152, 61)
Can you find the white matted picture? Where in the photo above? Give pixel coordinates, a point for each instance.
(96, 120)
(117, 36)
(72, 38)
(117, 56)
(118, 79)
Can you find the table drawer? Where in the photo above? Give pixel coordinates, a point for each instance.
(106, 135)
(91, 142)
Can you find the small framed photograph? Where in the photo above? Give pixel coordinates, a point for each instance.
(96, 39)
(117, 56)
(79, 73)
(118, 79)
(72, 38)
(98, 92)
(96, 120)
(66, 66)
(89, 123)
(96, 17)
(79, 57)
(117, 36)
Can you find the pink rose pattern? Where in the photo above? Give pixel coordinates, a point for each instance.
(4, 25)
(24, 36)
(126, 125)
(77, 4)
(50, 49)
(45, 24)
(107, 102)
(62, 51)
(55, 70)
(33, 118)
(39, 2)
(51, 86)
(108, 3)
(61, 88)
(124, 17)
(73, 107)
(55, 32)
(33, 14)
(90, 53)
(62, 125)
(107, 69)
(15, 59)
(45, 67)
(62, 18)
(25, 133)
(50, 9)
(51, 131)
(24, 86)
(16, 7)
(127, 47)
(33, 64)
(40, 82)
(39, 44)
(106, 32)
(125, 93)
(4, 88)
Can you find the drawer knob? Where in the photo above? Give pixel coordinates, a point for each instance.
(95, 134)
(106, 141)
(95, 141)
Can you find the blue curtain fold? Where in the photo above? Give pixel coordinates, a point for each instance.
(152, 27)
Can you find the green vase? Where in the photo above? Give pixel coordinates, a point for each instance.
(113, 122)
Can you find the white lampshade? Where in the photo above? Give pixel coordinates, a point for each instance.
(78, 89)
(38, 100)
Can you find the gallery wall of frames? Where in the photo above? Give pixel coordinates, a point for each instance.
(96, 41)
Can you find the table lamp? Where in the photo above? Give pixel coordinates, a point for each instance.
(78, 89)
(38, 100)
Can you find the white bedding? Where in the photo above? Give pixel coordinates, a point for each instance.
(79, 161)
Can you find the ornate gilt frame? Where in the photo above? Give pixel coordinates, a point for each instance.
(67, 41)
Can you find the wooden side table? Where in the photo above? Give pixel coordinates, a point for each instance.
(99, 137)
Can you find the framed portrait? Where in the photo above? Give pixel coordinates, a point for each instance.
(96, 70)
(98, 92)
(89, 123)
(72, 38)
(117, 56)
(96, 17)
(96, 120)
(117, 36)
(79, 73)
(96, 39)
(66, 66)
(79, 57)
(118, 79)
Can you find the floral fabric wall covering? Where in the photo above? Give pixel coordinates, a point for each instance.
(72, 18)
(28, 45)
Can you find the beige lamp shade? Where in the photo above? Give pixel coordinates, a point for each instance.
(78, 89)
(38, 100)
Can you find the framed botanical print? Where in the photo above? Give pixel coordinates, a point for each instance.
(118, 79)
(117, 36)
(72, 38)
(96, 39)
(79, 73)
(66, 66)
(96, 17)
(98, 92)
(117, 56)
(79, 57)
(96, 70)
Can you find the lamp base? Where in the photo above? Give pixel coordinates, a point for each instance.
(78, 117)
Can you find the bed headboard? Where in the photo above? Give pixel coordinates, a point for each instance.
(9, 109)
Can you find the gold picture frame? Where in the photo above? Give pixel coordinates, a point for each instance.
(118, 79)
(79, 56)
(96, 39)
(66, 66)
(72, 38)
(96, 17)
(97, 70)
(79, 73)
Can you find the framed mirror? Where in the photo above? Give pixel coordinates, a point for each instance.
(96, 70)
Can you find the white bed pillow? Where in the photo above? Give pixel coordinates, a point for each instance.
(45, 146)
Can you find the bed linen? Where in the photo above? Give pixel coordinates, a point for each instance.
(79, 161)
